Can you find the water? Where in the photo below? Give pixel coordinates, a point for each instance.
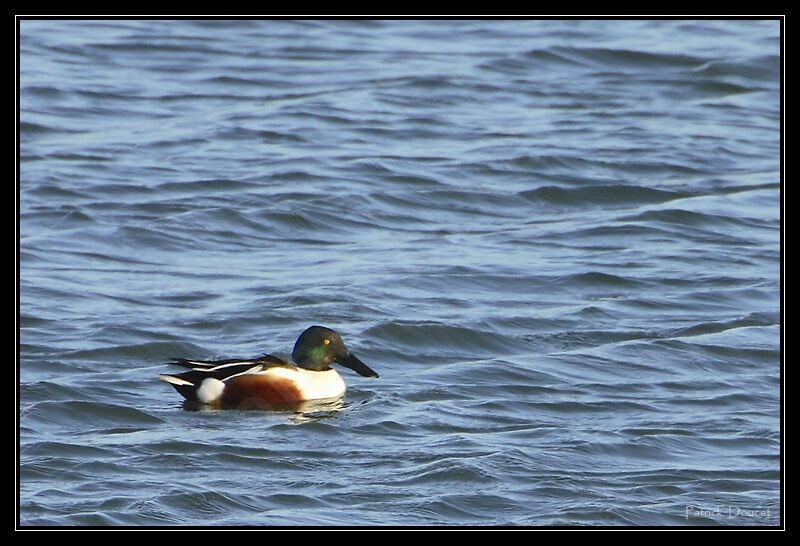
(558, 243)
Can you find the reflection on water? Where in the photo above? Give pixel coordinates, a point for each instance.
(304, 411)
(317, 410)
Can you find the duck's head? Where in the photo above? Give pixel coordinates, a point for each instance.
(319, 347)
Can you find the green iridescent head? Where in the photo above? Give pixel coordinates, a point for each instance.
(319, 347)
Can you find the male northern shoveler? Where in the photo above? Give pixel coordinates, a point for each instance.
(270, 381)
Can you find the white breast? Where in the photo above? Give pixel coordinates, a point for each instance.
(312, 385)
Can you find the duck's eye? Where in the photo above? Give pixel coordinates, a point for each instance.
(326, 341)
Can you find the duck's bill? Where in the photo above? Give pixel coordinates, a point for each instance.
(351, 361)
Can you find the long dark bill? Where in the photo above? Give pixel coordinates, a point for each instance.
(351, 361)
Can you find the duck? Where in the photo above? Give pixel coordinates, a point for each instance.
(269, 381)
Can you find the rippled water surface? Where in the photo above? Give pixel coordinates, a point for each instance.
(558, 242)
